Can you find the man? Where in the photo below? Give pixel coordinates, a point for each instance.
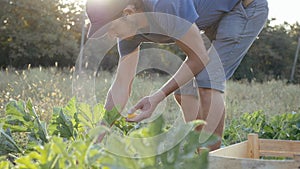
(239, 22)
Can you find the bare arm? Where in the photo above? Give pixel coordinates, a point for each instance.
(119, 92)
(192, 44)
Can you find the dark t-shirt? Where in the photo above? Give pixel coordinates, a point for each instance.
(170, 19)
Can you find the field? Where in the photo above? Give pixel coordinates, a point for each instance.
(52, 87)
(35, 139)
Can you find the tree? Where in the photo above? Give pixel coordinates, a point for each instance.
(271, 55)
(39, 32)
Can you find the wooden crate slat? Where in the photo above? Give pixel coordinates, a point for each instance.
(216, 162)
(240, 156)
(277, 154)
(237, 150)
(285, 148)
(297, 158)
(253, 146)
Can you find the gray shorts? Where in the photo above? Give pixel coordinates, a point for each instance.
(235, 34)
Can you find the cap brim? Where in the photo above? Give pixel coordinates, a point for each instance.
(97, 30)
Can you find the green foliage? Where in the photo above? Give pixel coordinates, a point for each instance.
(111, 116)
(5, 165)
(21, 117)
(47, 88)
(152, 129)
(72, 140)
(126, 127)
(64, 121)
(39, 32)
(64, 126)
(60, 154)
(271, 55)
(284, 126)
(7, 144)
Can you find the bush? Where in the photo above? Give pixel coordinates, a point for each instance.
(70, 140)
(285, 126)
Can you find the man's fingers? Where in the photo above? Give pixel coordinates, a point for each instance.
(135, 119)
(143, 106)
(132, 110)
(132, 115)
(136, 107)
(138, 117)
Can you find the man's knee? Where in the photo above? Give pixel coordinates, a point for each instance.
(178, 98)
(210, 99)
(208, 93)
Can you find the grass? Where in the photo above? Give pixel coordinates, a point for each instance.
(272, 97)
(52, 87)
(46, 88)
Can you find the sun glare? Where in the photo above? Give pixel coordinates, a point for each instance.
(81, 2)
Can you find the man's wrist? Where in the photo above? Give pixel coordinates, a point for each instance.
(159, 95)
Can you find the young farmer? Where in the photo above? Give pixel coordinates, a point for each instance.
(235, 25)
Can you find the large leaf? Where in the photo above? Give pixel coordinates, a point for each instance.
(86, 116)
(111, 116)
(40, 128)
(18, 118)
(65, 121)
(7, 143)
(64, 126)
(21, 117)
(5, 165)
(71, 111)
(175, 150)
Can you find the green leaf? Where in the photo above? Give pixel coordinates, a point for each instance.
(39, 126)
(16, 114)
(42, 132)
(85, 115)
(14, 127)
(17, 110)
(95, 132)
(150, 129)
(201, 161)
(21, 117)
(70, 109)
(53, 123)
(111, 116)
(268, 129)
(65, 126)
(26, 162)
(7, 144)
(4, 165)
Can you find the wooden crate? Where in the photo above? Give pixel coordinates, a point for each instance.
(247, 155)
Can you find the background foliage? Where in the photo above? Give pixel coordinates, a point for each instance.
(69, 140)
(272, 54)
(42, 32)
(39, 32)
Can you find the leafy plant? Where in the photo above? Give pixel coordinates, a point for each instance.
(7, 144)
(22, 118)
(74, 129)
(285, 126)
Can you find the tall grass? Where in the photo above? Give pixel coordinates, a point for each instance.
(52, 87)
(272, 97)
(46, 88)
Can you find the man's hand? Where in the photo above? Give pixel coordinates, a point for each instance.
(146, 105)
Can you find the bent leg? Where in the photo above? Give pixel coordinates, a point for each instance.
(209, 108)
(213, 112)
(236, 32)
